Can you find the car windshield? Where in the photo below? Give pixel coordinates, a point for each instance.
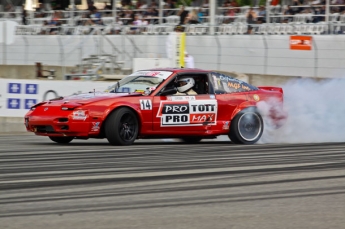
(141, 81)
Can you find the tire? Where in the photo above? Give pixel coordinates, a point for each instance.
(121, 127)
(247, 127)
(62, 140)
(191, 140)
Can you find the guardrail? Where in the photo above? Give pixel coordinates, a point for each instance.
(191, 29)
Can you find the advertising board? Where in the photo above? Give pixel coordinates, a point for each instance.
(17, 96)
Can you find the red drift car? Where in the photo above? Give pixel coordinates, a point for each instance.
(189, 104)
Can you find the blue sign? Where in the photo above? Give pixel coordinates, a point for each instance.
(31, 89)
(14, 88)
(28, 103)
(13, 103)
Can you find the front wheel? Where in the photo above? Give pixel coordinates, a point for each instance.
(246, 127)
(121, 127)
(61, 140)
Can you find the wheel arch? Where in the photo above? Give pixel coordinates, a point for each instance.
(241, 107)
(107, 114)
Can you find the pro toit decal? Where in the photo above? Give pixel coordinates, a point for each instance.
(188, 113)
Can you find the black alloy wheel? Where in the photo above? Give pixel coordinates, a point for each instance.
(121, 127)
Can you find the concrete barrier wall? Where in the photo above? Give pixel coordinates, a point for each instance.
(257, 54)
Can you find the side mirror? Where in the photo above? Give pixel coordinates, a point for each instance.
(168, 91)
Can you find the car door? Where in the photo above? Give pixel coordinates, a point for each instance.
(180, 114)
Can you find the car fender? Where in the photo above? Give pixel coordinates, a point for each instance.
(243, 106)
(117, 105)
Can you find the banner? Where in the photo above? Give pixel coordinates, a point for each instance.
(17, 96)
(300, 42)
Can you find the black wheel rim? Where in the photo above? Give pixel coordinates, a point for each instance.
(249, 126)
(127, 127)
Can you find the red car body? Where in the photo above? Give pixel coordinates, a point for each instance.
(143, 105)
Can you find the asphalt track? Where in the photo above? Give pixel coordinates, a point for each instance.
(156, 184)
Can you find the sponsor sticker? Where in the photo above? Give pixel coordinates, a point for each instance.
(226, 125)
(160, 74)
(79, 115)
(188, 113)
(180, 98)
(256, 97)
(95, 126)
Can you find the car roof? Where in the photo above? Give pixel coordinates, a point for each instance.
(178, 70)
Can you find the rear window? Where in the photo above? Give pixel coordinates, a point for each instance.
(227, 84)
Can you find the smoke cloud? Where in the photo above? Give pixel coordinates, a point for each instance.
(316, 113)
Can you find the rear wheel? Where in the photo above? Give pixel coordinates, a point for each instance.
(121, 127)
(61, 140)
(246, 127)
(191, 140)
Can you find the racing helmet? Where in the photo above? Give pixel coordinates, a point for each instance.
(185, 84)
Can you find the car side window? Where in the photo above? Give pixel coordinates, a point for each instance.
(226, 84)
(201, 82)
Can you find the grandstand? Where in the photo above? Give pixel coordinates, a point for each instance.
(312, 17)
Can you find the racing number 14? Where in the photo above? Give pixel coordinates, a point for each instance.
(145, 104)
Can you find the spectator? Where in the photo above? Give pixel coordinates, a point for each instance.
(39, 12)
(24, 17)
(137, 22)
(262, 14)
(298, 6)
(183, 14)
(188, 60)
(251, 19)
(143, 5)
(234, 4)
(318, 12)
(251, 16)
(107, 9)
(118, 26)
(96, 17)
(200, 15)
(289, 11)
(192, 17)
(91, 6)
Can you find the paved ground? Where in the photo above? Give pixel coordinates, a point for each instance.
(156, 184)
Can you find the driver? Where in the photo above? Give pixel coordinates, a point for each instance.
(185, 85)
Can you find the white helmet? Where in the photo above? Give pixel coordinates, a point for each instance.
(185, 84)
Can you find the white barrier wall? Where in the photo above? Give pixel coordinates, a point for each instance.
(254, 54)
(17, 96)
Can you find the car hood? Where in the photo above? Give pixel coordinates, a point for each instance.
(86, 98)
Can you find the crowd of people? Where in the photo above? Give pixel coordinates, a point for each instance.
(142, 13)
